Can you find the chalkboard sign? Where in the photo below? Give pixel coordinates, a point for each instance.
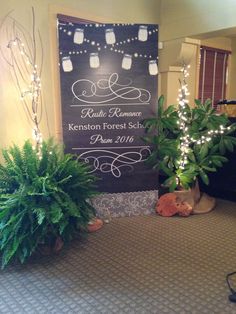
(108, 76)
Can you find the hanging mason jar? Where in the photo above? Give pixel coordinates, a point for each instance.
(94, 60)
(79, 36)
(110, 36)
(153, 69)
(67, 64)
(126, 62)
(142, 33)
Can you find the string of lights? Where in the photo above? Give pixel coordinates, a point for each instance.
(184, 120)
(23, 61)
(33, 92)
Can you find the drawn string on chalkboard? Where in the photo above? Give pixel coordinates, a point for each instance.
(95, 43)
(112, 47)
(108, 90)
(113, 162)
(94, 25)
(143, 32)
(94, 63)
(112, 44)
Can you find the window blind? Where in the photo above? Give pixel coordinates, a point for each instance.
(212, 78)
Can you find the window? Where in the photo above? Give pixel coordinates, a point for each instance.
(212, 78)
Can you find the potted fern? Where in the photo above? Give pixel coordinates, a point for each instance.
(43, 199)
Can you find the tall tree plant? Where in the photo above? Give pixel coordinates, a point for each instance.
(188, 142)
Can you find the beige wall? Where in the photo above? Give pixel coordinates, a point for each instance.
(187, 18)
(211, 20)
(218, 42)
(14, 126)
(172, 57)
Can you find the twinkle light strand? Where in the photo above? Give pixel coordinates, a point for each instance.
(22, 58)
(33, 93)
(184, 121)
(185, 140)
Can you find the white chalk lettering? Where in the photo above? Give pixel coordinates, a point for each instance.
(83, 127)
(98, 138)
(108, 126)
(116, 112)
(91, 113)
(136, 125)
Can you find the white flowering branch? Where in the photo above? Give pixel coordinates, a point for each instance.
(21, 54)
(185, 121)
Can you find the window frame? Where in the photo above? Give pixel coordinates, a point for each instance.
(211, 78)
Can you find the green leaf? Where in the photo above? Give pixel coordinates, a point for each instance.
(228, 144)
(218, 157)
(198, 102)
(171, 183)
(41, 197)
(211, 169)
(191, 157)
(4, 212)
(204, 123)
(41, 214)
(166, 169)
(231, 139)
(214, 149)
(11, 250)
(204, 177)
(204, 151)
(208, 104)
(170, 110)
(222, 146)
(160, 105)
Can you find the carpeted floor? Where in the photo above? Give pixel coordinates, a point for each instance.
(147, 264)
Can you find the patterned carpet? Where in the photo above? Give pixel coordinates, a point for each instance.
(144, 264)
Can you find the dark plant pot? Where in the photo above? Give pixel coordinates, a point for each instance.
(54, 247)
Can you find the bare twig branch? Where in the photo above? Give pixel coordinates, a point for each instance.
(22, 58)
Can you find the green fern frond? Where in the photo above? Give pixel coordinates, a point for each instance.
(42, 195)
